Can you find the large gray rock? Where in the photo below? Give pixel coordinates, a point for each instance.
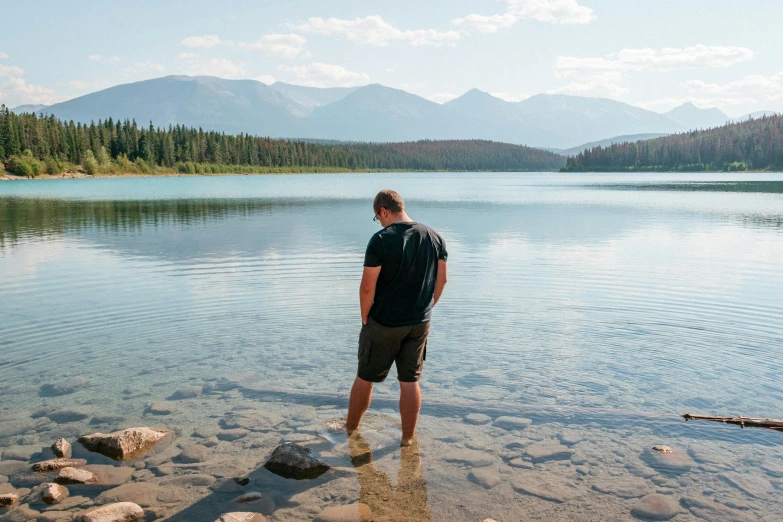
(119, 512)
(656, 507)
(295, 461)
(125, 444)
(62, 448)
(57, 464)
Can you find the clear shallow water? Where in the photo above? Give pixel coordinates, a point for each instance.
(598, 306)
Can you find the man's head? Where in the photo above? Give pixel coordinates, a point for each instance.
(389, 207)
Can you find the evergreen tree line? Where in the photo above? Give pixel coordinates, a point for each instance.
(47, 145)
(748, 145)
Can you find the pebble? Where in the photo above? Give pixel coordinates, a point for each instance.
(348, 513)
(656, 507)
(512, 423)
(62, 448)
(663, 449)
(477, 419)
(256, 501)
(119, 512)
(9, 499)
(53, 493)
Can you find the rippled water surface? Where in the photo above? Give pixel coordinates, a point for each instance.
(598, 307)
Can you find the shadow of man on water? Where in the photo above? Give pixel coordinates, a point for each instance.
(408, 501)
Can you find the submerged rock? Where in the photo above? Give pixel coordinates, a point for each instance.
(239, 516)
(512, 423)
(125, 444)
(629, 487)
(548, 450)
(57, 464)
(488, 478)
(359, 512)
(62, 448)
(75, 476)
(256, 501)
(187, 392)
(119, 512)
(656, 507)
(195, 453)
(547, 486)
(64, 387)
(161, 408)
(295, 461)
(477, 418)
(669, 462)
(470, 458)
(53, 493)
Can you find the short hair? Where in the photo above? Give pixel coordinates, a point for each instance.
(389, 200)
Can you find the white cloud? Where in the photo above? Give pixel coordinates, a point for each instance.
(187, 56)
(18, 92)
(143, 67)
(220, 67)
(549, 11)
(442, 97)
(374, 30)
(601, 75)
(3, 56)
(265, 78)
(95, 57)
(208, 40)
(750, 90)
(283, 45)
(326, 75)
(11, 70)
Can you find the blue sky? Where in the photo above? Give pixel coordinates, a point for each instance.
(654, 54)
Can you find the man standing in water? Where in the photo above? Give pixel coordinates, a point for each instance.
(404, 276)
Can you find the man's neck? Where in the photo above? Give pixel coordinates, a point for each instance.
(402, 217)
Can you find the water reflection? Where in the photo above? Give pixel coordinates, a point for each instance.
(407, 501)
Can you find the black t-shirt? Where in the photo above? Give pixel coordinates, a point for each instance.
(408, 255)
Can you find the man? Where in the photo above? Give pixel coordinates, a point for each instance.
(404, 276)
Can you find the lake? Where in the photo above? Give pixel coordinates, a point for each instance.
(584, 313)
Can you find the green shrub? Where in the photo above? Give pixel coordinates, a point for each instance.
(143, 166)
(25, 165)
(54, 166)
(91, 165)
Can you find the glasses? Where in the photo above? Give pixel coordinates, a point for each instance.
(375, 217)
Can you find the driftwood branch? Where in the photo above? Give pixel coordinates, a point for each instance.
(772, 424)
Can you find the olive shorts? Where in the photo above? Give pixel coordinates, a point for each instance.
(381, 346)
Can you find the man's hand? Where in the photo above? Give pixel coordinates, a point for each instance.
(367, 290)
(440, 281)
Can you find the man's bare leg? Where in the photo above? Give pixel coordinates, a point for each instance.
(410, 404)
(361, 395)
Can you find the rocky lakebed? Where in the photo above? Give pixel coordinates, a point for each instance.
(227, 450)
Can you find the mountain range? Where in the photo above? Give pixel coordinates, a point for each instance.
(373, 113)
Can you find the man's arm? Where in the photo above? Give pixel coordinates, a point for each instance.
(440, 281)
(367, 290)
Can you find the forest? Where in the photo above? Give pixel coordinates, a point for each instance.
(754, 144)
(32, 145)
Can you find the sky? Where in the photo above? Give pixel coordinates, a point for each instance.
(654, 54)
